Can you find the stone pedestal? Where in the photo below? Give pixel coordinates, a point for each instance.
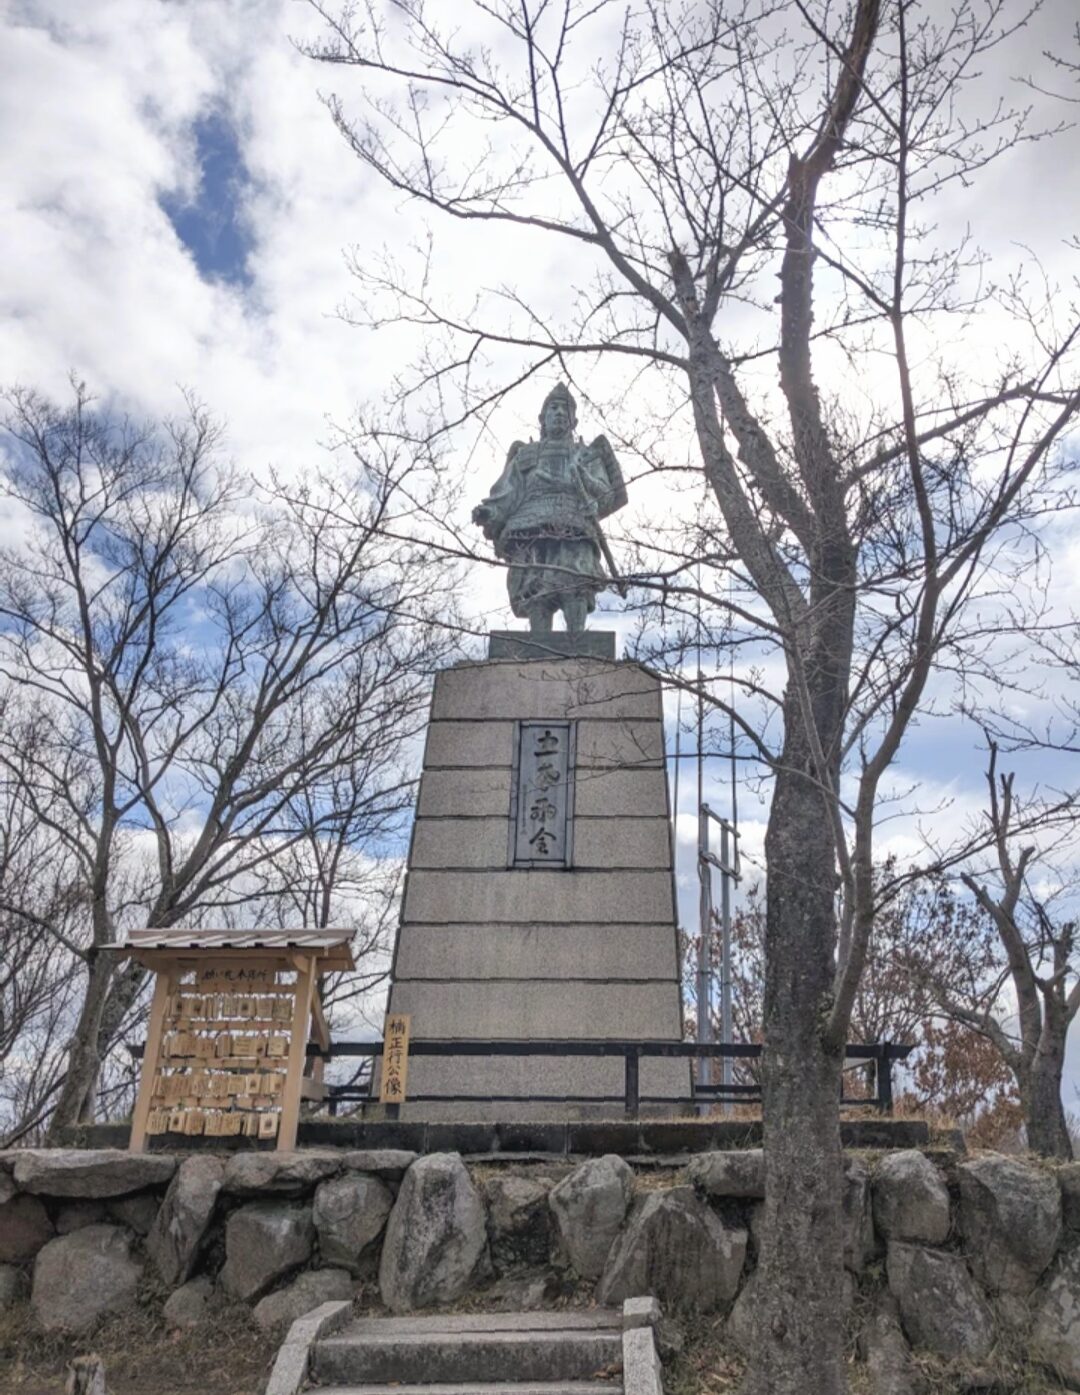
(539, 901)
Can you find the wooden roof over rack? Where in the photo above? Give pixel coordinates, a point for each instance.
(149, 947)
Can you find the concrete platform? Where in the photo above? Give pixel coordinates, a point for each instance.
(667, 1141)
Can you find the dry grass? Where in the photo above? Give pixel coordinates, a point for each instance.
(227, 1355)
(1000, 1374)
(707, 1365)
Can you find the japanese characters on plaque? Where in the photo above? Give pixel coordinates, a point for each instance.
(395, 1059)
(224, 1052)
(544, 769)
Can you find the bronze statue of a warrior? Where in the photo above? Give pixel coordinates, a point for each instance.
(543, 516)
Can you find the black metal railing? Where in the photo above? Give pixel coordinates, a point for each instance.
(880, 1055)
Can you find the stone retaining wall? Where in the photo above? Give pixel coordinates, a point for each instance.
(952, 1257)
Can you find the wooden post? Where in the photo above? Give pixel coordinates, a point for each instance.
(321, 1032)
(163, 986)
(393, 1080)
(884, 1081)
(301, 1020)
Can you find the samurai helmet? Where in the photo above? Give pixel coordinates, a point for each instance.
(560, 393)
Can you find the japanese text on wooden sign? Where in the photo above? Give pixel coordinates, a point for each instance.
(395, 1059)
(224, 1052)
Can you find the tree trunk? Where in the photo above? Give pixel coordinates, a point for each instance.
(84, 1060)
(1040, 1095)
(799, 1311)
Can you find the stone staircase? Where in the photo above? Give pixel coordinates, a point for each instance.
(536, 1353)
(603, 1351)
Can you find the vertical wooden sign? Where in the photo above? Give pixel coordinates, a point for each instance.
(395, 1058)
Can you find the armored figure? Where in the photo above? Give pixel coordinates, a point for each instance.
(543, 517)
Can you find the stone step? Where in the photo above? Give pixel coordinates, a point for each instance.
(559, 1387)
(534, 1320)
(403, 1350)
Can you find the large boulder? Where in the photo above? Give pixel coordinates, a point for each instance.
(1055, 1332)
(941, 1309)
(91, 1172)
(519, 1219)
(589, 1207)
(1010, 1220)
(1069, 1177)
(78, 1278)
(735, 1173)
(264, 1241)
(436, 1240)
(24, 1228)
(349, 1215)
(911, 1202)
(677, 1249)
(279, 1310)
(189, 1305)
(885, 1352)
(249, 1174)
(138, 1211)
(73, 1215)
(180, 1226)
(390, 1164)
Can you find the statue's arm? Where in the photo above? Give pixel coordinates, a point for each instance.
(493, 511)
(605, 478)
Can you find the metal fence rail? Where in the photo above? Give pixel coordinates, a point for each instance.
(880, 1054)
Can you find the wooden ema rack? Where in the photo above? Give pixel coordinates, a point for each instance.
(226, 1049)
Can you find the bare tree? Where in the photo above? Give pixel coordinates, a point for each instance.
(924, 935)
(208, 656)
(1038, 944)
(760, 175)
(959, 1075)
(40, 904)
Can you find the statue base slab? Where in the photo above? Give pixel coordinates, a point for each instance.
(559, 644)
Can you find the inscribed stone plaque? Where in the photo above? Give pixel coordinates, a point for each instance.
(543, 790)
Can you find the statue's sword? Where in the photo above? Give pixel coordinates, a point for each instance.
(598, 533)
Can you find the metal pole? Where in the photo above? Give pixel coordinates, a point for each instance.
(704, 974)
(725, 956)
(678, 767)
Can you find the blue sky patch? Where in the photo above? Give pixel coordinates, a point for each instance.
(212, 226)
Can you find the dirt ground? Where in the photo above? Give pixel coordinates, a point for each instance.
(227, 1355)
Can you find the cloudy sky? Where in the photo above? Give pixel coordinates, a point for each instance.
(177, 209)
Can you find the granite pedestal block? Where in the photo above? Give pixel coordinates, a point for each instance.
(525, 644)
(582, 945)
